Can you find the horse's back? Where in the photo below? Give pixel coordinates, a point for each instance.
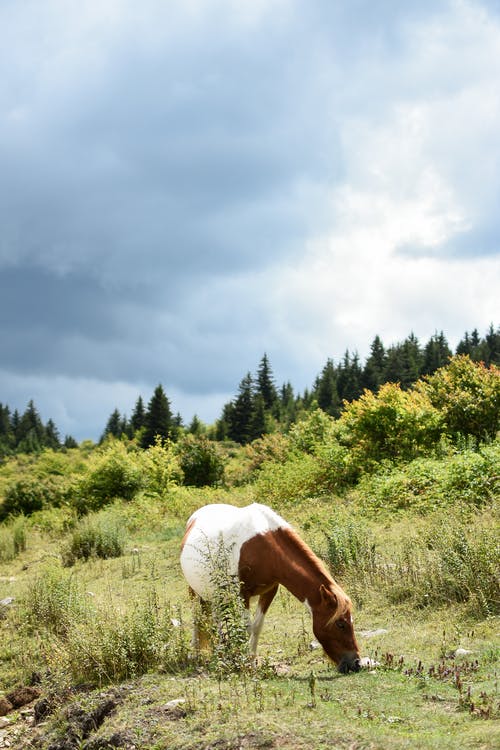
(213, 524)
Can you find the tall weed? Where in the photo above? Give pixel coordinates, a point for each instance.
(12, 539)
(99, 535)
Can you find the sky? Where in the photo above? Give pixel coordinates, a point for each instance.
(186, 185)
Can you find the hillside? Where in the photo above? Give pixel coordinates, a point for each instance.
(399, 496)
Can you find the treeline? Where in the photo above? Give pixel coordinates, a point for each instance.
(259, 406)
(26, 433)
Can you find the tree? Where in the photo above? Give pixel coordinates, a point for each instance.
(138, 418)
(265, 384)
(242, 411)
(52, 439)
(437, 354)
(158, 419)
(349, 378)
(325, 390)
(30, 431)
(375, 366)
(114, 426)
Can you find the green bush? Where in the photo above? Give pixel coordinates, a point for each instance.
(160, 468)
(427, 484)
(101, 535)
(297, 479)
(12, 539)
(54, 601)
(112, 473)
(28, 495)
(467, 395)
(392, 424)
(200, 461)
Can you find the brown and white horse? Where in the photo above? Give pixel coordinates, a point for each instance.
(264, 552)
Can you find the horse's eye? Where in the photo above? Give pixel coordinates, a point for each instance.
(341, 624)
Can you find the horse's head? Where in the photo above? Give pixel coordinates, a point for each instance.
(332, 626)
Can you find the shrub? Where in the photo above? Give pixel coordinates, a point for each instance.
(467, 394)
(427, 484)
(101, 536)
(392, 424)
(54, 601)
(12, 539)
(299, 478)
(160, 467)
(274, 447)
(112, 473)
(200, 461)
(27, 495)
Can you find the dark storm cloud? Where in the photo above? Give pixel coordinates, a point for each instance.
(174, 175)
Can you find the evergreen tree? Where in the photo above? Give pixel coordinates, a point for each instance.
(375, 366)
(493, 345)
(287, 405)
(325, 390)
(257, 426)
(437, 354)
(196, 426)
(114, 426)
(464, 346)
(349, 378)
(242, 411)
(30, 435)
(265, 384)
(52, 439)
(158, 420)
(70, 442)
(138, 418)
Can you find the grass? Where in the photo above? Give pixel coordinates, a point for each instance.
(122, 625)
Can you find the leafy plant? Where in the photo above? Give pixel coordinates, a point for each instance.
(200, 460)
(101, 535)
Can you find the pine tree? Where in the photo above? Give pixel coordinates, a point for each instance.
(258, 426)
(52, 439)
(70, 442)
(158, 420)
(138, 418)
(349, 378)
(493, 344)
(437, 354)
(325, 390)
(265, 384)
(375, 366)
(30, 434)
(241, 414)
(114, 426)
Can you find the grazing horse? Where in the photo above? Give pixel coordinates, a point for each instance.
(264, 552)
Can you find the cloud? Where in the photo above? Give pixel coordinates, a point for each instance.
(187, 185)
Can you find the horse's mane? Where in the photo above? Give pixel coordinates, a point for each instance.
(343, 601)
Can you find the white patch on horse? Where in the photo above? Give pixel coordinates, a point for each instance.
(233, 526)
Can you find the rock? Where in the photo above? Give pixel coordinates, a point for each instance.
(367, 663)
(372, 633)
(463, 652)
(4, 722)
(23, 695)
(5, 706)
(314, 645)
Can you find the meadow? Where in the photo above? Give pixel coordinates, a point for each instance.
(96, 619)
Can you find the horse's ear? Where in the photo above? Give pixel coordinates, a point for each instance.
(327, 596)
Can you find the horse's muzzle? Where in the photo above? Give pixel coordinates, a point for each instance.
(350, 665)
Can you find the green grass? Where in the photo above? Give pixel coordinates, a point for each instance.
(123, 624)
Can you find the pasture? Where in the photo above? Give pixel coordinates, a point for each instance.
(105, 637)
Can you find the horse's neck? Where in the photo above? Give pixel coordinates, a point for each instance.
(299, 570)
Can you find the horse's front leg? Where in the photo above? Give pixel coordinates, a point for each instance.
(258, 621)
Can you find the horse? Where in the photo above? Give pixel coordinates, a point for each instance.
(263, 551)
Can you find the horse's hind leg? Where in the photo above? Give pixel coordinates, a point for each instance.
(201, 634)
(258, 621)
